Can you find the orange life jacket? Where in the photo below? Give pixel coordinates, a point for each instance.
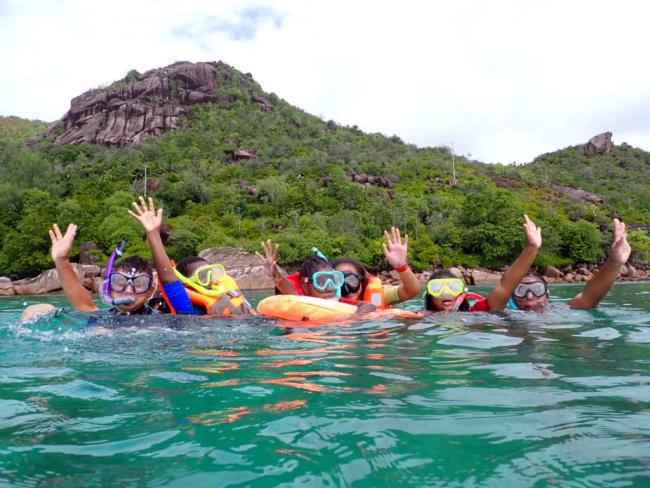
(226, 300)
(373, 293)
(231, 302)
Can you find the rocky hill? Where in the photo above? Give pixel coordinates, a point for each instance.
(149, 104)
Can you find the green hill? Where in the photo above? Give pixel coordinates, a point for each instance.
(237, 174)
(19, 130)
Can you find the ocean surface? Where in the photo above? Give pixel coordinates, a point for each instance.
(473, 400)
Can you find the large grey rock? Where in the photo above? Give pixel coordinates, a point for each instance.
(599, 144)
(246, 268)
(6, 287)
(45, 282)
(552, 272)
(483, 277)
(48, 281)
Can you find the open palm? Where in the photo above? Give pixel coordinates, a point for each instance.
(147, 215)
(395, 250)
(621, 249)
(62, 244)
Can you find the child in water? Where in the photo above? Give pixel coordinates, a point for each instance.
(446, 292)
(349, 272)
(206, 283)
(131, 282)
(531, 293)
(316, 277)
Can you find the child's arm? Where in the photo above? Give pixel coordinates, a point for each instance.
(77, 295)
(598, 286)
(498, 298)
(273, 270)
(396, 252)
(151, 220)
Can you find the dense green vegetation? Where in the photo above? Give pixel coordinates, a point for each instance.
(303, 194)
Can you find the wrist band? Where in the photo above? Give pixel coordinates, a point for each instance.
(402, 269)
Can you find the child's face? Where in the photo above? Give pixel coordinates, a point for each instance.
(350, 274)
(133, 284)
(530, 301)
(329, 291)
(444, 303)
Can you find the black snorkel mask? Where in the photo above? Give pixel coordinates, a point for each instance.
(351, 283)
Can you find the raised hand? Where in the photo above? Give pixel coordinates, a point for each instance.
(62, 244)
(395, 249)
(270, 257)
(621, 249)
(533, 233)
(147, 215)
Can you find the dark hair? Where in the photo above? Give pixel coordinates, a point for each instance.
(313, 264)
(428, 299)
(185, 267)
(537, 275)
(134, 262)
(358, 269)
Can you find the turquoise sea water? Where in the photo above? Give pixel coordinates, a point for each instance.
(561, 399)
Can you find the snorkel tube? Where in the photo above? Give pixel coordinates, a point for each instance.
(316, 252)
(106, 289)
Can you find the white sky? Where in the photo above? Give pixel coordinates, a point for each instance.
(503, 81)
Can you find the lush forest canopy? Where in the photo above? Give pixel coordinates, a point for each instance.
(296, 191)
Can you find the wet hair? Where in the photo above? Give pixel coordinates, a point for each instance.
(358, 269)
(134, 262)
(441, 274)
(313, 264)
(185, 265)
(537, 275)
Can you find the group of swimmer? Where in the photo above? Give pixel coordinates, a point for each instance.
(196, 287)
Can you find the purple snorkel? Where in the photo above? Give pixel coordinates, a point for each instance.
(106, 289)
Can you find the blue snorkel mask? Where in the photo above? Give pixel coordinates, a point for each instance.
(326, 280)
(118, 252)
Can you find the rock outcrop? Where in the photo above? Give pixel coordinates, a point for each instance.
(147, 105)
(6, 287)
(599, 144)
(246, 268)
(48, 281)
(370, 180)
(578, 194)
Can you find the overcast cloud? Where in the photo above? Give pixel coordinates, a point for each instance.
(503, 81)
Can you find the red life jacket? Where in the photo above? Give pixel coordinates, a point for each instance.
(294, 279)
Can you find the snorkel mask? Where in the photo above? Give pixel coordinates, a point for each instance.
(209, 280)
(445, 287)
(327, 280)
(118, 252)
(324, 281)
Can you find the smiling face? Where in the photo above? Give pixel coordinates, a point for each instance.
(530, 302)
(323, 283)
(129, 283)
(348, 270)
